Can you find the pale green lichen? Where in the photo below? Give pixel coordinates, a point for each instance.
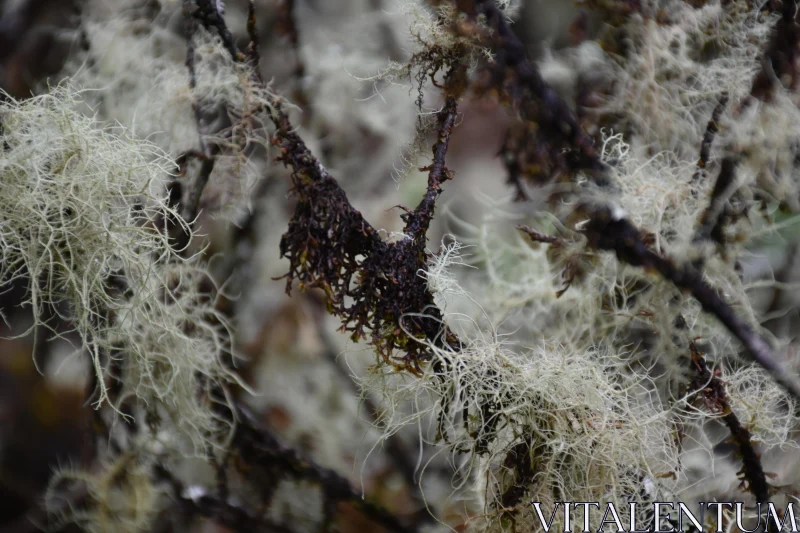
(81, 206)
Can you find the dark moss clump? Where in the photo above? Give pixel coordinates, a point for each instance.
(373, 286)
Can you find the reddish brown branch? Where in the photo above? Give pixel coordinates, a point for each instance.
(253, 53)
(716, 399)
(417, 225)
(368, 284)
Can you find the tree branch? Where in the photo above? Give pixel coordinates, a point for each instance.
(259, 447)
(558, 126)
(207, 154)
(708, 138)
(712, 389)
(606, 232)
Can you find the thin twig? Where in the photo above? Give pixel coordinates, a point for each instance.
(257, 446)
(708, 138)
(207, 154)
(710, 224)
(536, 236)
(417, 225)
(712, 389)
